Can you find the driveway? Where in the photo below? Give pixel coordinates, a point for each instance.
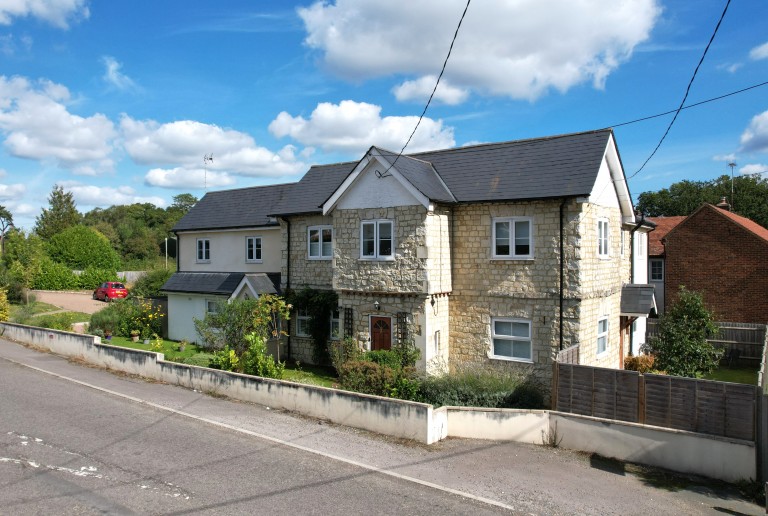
(70, 301)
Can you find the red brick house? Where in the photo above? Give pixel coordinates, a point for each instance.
(724, 257)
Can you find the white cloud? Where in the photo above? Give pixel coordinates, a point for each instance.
(88, 195)
(510, 48)
(37, 125)
(421, 89)
(187, 178)
(114, 77)
(184, 143)
(754, 168)
(56, 12)
(759, 52)
(11, 191)
(354, 126)
(755, 136)
(730, 67)
(725, 157)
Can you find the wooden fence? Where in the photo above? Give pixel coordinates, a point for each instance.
(569, 355)
(704, 406)
(746, 338)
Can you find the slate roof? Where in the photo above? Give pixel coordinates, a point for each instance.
(637, 300)
(539, 168)
(221, 283)
(217, 283)
(421, 174)
(228, 209)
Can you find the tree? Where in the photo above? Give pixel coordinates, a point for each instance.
(6, 224)
(183, 202)
(61, 215)
(680, 347)
(682, 198)
(23, 256)
(80, 247)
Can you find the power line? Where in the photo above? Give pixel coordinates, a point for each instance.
(687, 90)
(690, 105)
(429, 101)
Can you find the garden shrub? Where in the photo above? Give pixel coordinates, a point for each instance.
(61, 321)
(80, 247)
(639, 363)
(92, 277)
(366, 377)
(118, 317)
(54, 276)
(476, 387)
(149, 284)
(344, 350)
(384, 358)
(228, 326)
(200, 359)
(254, 361)
(147, 319)
(5, 306)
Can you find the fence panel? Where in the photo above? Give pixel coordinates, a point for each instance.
(703, 406)
(746, 338)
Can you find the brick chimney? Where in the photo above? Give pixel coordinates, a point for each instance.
(723, 204)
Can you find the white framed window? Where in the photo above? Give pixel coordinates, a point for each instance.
(203, 250)
(302, 322)
(657, 270)
(212, 306)
(253, 249)
(603, 238)
(320, 242)
(513, 237)
(377, 240)
(602, 335)
(511, 339)
(335, 324)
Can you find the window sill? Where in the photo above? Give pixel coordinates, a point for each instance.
(368, 259)
(511, 359)
(320, 258)
(254, 261)
(203, 261)
(512, 258)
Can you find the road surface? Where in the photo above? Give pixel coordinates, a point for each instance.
(70, 301)
(77, 439)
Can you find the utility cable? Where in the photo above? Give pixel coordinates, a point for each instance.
(687, 90)
(429, 101)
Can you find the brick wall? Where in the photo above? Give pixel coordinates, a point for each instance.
(726, 263)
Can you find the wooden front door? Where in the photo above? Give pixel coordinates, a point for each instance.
(381, 333)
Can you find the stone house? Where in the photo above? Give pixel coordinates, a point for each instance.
(498, 255)
(724, 257)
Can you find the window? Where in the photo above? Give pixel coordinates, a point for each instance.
(253, 249)
(320, 242)
(602, 335)
(335, 324)
(602, 238)
(203, 250)
(511, 339)
(302, 322)
(513, 238)
(376, 239)
(657, 270)
(212, 306)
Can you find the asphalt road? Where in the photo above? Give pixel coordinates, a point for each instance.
(80, 440)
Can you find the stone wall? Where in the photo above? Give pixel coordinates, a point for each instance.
(303, 271)
(405, 273)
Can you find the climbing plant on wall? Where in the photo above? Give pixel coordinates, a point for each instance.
(319, 305)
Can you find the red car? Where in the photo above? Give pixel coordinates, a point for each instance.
(110, 290)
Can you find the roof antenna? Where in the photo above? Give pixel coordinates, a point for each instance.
(207, 158)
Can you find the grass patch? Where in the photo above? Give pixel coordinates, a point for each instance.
(169, 348)
(22, 313)
(60, 321)
(747, 375)
(310, 375)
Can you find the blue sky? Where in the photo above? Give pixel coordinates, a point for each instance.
(118, 102)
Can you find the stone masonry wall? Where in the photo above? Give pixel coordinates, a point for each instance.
(304, 272)
(406, 273)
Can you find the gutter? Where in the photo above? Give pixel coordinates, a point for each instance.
(287, 280)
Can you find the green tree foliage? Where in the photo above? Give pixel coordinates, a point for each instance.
(318, 305)
(182, 203)
(751, 197)
(6, 223)
(23, 258)
(149, 284)
(80, 247)
(680, 346)
(228, 325)
(5, 306)
(62, 214)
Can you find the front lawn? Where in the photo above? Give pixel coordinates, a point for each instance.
(168, 347)
(747, 375)
(310, 375)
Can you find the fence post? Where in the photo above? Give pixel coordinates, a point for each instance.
(641, 399)
(555, 382)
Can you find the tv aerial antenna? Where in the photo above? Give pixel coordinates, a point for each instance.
(207, 158)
